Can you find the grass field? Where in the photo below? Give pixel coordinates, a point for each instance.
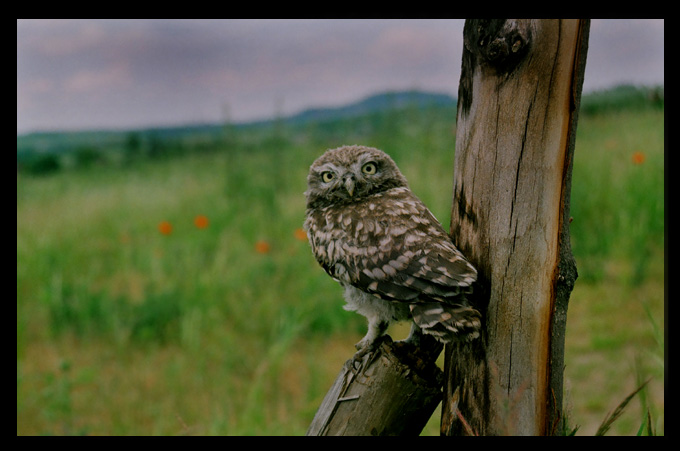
(177, 296)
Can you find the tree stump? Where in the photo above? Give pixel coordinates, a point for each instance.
(393, 391)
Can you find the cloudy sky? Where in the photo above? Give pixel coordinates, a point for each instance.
(84, 74)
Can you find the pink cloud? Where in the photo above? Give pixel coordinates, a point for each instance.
(402, 44)
(116, 76)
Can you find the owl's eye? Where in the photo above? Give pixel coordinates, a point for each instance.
(327, 176)
(369, 168)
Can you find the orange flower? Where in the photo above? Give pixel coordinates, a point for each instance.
(300, 234)
(201, 221)
(262, 247)
(165, 228)
(638, 157)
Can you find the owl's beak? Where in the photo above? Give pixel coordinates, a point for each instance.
(349, 185)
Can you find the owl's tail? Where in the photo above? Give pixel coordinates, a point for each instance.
(446, 322)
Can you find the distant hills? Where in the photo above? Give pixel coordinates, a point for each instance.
(63, 141)
(625, 96)
(374, 104)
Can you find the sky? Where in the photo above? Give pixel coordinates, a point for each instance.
(81, 74)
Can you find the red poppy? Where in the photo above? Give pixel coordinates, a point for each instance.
(638, 157)
(262, 247)
(165, 228)
(201, 221)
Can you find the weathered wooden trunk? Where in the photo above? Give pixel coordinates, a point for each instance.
(518, 101)
(391, 392)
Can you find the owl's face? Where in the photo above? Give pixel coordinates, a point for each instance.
(350, 174)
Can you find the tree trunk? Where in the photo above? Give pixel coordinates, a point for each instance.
(393, 392)
(518, 104)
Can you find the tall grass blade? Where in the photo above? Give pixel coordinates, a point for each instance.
(648, 423)
(613, 416)
(650, 428)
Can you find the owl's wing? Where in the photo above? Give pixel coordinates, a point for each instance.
(412, 259)
(409, 274)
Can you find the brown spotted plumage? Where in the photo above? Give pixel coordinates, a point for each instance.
(373, 235)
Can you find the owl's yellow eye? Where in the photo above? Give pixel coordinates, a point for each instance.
(369, 168)
(327, 176)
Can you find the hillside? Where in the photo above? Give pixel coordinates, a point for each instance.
(64, 141)
(47, 152)
(374, 104)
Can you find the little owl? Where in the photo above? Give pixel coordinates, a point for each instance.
(395, 261)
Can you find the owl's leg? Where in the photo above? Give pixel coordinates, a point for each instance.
(376, 329)
(370, 342)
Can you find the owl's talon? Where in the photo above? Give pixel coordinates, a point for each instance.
(365, 347)
(361, 352)
(358, 358)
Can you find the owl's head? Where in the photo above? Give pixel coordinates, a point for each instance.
(349, 174)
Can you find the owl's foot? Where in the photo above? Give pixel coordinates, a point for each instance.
(376, 331)
(367, 347)
(371, 342)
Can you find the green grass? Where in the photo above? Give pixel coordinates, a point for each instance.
(124, 330)
(612, 195)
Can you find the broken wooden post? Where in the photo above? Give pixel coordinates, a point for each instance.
(393, 391)
(518, 102)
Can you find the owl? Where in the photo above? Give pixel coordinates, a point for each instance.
(370, 233)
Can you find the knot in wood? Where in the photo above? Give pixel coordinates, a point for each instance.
(501, 43)
(498, 50)
(503, 47)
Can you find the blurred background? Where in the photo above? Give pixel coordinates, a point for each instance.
(164, 283)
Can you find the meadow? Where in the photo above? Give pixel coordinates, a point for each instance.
(176, 294)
